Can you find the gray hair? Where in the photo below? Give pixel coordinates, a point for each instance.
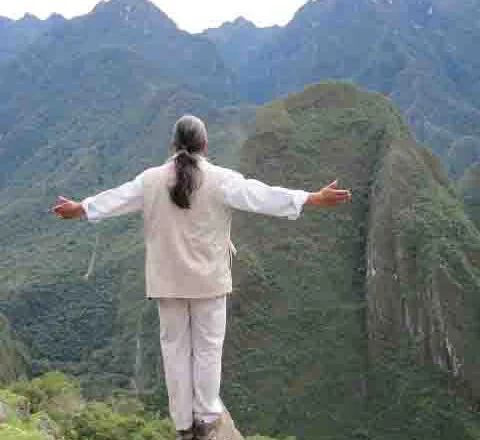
(189, 134)
(189, 138)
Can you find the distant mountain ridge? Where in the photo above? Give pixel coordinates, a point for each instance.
(239, 40)
(403, 52)
(151, 34)
(131, 40)
(16, 35)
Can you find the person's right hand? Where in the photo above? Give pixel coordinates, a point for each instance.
(329, 196)
(68, 209)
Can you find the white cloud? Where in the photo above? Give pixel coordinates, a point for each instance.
(198, 15)
(191, 15)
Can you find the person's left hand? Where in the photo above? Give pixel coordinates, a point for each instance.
(329, 196)
(68, 209)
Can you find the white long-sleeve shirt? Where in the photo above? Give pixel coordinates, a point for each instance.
(238, 192)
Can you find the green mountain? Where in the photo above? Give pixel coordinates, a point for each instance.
(418, 52)
(334, 315)
(240, 40)
(359, 323)
(130, 28)
(17, 35)
(96, 67)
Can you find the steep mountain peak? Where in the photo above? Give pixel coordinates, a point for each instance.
(56, 16)
(134, 11)
(55, 19)
(237, 40)
(239, 24)
(29, 18)
(242, 21)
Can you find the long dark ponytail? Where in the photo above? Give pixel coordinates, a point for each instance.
(189, 139)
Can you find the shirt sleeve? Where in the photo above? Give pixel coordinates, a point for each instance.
(125, 199)
(255, 196)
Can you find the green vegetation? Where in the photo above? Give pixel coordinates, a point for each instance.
(13, 354)
(419, 53)
(317, 347)
(357, 323)
(318, 325)
(240, 40)
(50, 408)
(468, 189)
(17, 35)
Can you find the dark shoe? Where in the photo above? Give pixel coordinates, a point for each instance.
(207, 431)
(186, 434)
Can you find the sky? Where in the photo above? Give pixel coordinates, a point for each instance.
(190, 15)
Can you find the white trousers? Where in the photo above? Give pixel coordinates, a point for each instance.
(192, 332)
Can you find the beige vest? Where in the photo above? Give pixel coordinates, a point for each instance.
(188, 252)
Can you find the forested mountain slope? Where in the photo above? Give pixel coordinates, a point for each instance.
(17, 35)
(14, 355)
(132, 38)
(334, 314)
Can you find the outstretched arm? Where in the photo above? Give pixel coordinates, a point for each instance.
(124, 199)
(255, 196)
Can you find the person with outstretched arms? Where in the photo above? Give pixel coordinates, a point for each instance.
(187, 205)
